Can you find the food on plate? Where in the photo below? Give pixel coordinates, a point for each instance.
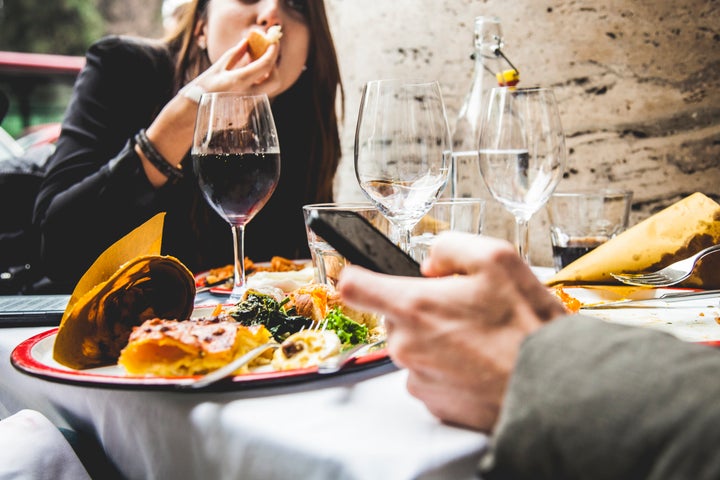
(97, 326)
(300, 309)
(306, 349)
(287, 281)
(313, 301)
(190, 347)
(218, 275)
(570, 303)
(277, 264)
(321, 302)
(348, 330)
(672, 234)
(197, 346)
(258, 42)
(258, 308)
(283, 272)
(140, 318)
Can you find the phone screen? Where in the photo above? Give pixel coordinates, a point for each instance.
(361, 243)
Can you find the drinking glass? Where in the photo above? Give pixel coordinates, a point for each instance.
(402, 150)
(236, 156)
(521, 152)
(327, 261)
(582, 220)
(447, 214)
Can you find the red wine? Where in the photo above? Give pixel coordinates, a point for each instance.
(237, 186)
(575, 248)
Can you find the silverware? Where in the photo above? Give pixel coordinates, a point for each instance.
(336, 363)
(227, 370)
(656, 302)
(665, 277)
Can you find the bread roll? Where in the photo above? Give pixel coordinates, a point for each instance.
(258, 42)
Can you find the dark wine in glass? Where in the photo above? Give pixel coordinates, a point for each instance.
(236, 156)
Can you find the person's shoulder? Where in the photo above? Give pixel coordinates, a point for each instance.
(125, 49)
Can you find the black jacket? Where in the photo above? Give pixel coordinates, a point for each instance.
(95, 190)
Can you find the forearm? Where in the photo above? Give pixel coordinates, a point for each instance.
(171, 133)
(594, 400)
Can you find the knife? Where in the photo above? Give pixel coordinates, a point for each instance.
(657, 302)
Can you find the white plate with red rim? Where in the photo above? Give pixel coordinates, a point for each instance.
(34, 357)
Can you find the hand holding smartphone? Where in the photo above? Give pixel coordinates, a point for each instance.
(361, 243)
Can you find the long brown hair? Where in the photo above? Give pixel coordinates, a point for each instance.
(324, 79)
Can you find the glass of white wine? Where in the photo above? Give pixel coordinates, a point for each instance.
(521, 152)
(402, 150)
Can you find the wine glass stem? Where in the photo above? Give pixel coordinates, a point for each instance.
(404, 239)
(238, 232)
(521, 239)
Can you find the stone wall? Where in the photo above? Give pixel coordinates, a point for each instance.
(637, 82)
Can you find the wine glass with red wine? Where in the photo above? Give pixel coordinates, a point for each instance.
(236, 156)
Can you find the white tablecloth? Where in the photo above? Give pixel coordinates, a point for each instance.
(339, 429)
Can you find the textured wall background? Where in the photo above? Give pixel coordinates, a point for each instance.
(637, 82)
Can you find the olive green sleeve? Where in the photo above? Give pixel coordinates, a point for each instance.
(590, 399)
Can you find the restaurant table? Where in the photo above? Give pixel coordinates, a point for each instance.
(362, 425)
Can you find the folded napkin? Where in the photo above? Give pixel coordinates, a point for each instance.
(129, 283)
(672, 234)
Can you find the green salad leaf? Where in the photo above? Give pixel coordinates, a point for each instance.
(349, 331)
(263, 309)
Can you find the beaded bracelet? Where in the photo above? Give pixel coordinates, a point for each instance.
(148, 149)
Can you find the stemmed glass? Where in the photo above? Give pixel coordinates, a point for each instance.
(521, 152)
(402, 150)
(236, 156)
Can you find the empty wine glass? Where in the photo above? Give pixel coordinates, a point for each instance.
(521, 152)
(402, 150)
(236, 156)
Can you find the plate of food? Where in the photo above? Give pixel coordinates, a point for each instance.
(126, 334)
(690, 314)
(292, 272)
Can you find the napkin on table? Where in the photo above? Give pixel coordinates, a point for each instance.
(130, 282)
(32, 447)
(672, 234)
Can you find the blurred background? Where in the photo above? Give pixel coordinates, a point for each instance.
(637, 80)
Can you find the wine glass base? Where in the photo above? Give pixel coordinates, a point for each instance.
(237, 294)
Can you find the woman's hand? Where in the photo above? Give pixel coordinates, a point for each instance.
(234, 72)
(171, 131)
(458, 332)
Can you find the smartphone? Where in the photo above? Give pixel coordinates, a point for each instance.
(361, 243)
(32, 310)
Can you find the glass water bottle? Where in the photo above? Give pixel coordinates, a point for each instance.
(491, 70)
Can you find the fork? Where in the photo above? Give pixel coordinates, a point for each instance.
(336, 363)
(665, 277)
(227, 370)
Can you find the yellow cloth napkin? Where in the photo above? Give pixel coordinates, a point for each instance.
(672, 234)
(129, 283)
